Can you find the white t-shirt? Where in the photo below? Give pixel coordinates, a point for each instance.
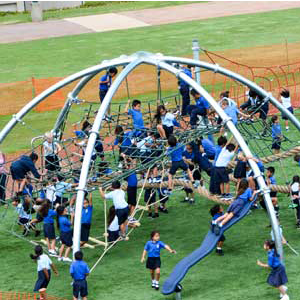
(141, 145)
(21, 212)
(286, 102)
(168, 119)
(50, 193)
(295, 187)
(114, 225)
(224, 158)
(50, 148)
(43, 262)
(118, 197)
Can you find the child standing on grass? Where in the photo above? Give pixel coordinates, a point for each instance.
(44, 266)
(271, 180)
(216, 212)
(295, 194)
(286, 102)
(113, 228)
(277, 277)
(86, 219)
(153, 248)
(66, 233)
(276, 134)
(243, 196)
(121, 206)
(79, 270)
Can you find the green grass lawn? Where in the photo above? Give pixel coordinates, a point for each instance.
(94, 8)
(121, 275)
(65, 55)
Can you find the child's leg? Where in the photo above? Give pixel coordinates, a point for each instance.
(282, 289)
(220, 244)
(152, 274)
(161, 131)
(251, 183)
(170, 181)
(227, 218)
(227, 187)
(274, 201)
(156, 208)
(286, 123)
(61, 250)
(222, 187)
(190, 174)
(221, 218)
(68, 249)
(123, 228)
(48, 243)
(42, 294)
(74, 298)
(157, 274)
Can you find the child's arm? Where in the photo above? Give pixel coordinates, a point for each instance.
(45, 270)
(101, 193)
(53, 267)
(253, 195)
(90, 199)
(143, 256)
(262, 264)
(167, 247)
(127, 106)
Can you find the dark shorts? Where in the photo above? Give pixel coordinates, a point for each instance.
(113, 235)
(66, 238)
(284, 116)
(122, 215)
(240, 170)
(178, 165)
(60, 200)
(52, 163)
(42, 282)
(277, 277)
(276, 144)
(222, 238)
(85, 232)
(168, 130)
(150, 196)
(163, 198)
(23, 221)
(15, 174)
(221, 175)
(153, 263)
(236, 207)
(102, 94)
(273, 194)
(80, 287)
(131, 195)
(49, 231)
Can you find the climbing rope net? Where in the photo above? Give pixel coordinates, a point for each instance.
(101, 159)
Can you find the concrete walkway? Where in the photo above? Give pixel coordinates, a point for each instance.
(138, 18)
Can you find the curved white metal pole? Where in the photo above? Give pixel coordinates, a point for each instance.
(239, 78)
(90, 147)
(227, 120)
(35, 101)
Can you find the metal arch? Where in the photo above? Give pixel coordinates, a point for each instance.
(90, 147)
(35, 101)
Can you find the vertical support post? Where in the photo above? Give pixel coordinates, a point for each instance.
(196, 50)
(178, 296)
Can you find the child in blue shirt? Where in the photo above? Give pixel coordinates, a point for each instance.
(175, 152)
(66, 233)
(105, 82)
(184, 90)
(277, 277)
(271, 180)
(79, 270)
(86, 219)
(216, 212)
(153, 248)
(124, 141)
(276, 134)
(244, 195)
(209, 148)
(137, 117)
(48, 216)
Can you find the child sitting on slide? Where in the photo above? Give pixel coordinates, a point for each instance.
(243, 196)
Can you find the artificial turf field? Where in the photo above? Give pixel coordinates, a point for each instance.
(120, 274)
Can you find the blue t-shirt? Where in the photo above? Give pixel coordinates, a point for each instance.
(188, 155)
(126, 139)
(246, 196)
(79, 269)
(105, 86)
(209, 147)
(232, 112)
(132, 180)
(137, 116)
(153, 248)
(202, 103)
(176, 155)
(272, 180)
(216, 216)
(64, 224)
(49, 218)
(276, 131)
(273, 260)
(28, 189)
(182, 83)
(86, 216)
(203, 161)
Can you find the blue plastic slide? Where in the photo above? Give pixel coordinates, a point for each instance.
(207, 246)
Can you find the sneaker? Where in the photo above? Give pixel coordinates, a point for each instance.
(67, 259)
(132, 220)
(60, 259)
(52, 252)
(156, 215)
(153, 285)
(167, 192)
(285, 289)
(192, 201)
(163, 210)
(186, 200)
(298, 226)
(285, 297)
(150, 215)
(157, 286)
(25, 232)
(287, 129)
(228, 196)
(220, 252)
(37, 233)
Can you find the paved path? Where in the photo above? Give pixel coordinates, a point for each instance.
(138, 18)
